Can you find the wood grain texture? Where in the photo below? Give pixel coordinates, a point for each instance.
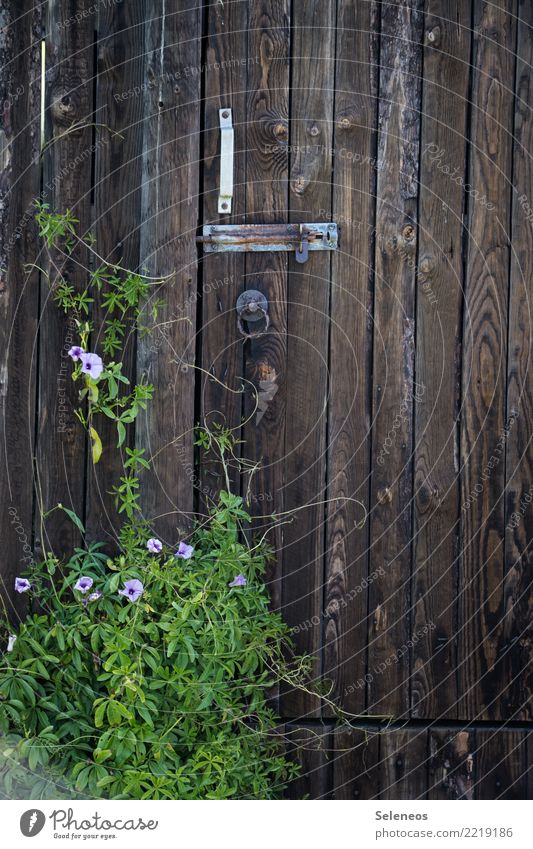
(266, 366)
(310, 747)
(485, 425)
(61, 442)
(350, 401)
(439, 280)
(20, 88)
(499, 762)
(518, 599)
(223, 274)
(312, 85)
(356, 771)
(170, 214)
(118, 166)
(450, 764)
(393, 358)
(403, 764)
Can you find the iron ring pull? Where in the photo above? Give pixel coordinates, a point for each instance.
(252, 307)
(248, 335)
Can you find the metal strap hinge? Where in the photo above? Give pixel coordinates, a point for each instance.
(300, 238)
(226, 162)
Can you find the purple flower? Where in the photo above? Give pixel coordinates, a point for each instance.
(76, 352)
(95, 596)
(22, 585)
(132, 589)
(83, 584)
(92, 365)
(154, 545)
(238, 581)
(185, 551)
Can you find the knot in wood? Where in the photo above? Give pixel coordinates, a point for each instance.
(385, 495)
(313, 130)
(433, 36)
(280, 131)
(343, 122)
(65, 107)
(299, 184)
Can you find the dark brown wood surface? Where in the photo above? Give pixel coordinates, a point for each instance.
(20, 89)
(350, 399)
(170, 186)
(396, 371)
(517, 627)
(222, 274)
(393, 358)
(308, 298)
(485, 422)
(117, 210)
(67, 182)
(439, 286)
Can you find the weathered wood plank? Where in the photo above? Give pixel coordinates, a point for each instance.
(438, 358)
(119, 105)
(499, 763)
(311, 122)
(310, 747)
(226, 61)
(485, 426)
(517, 628)
(349, 410)
(393, 358)
(356, 769)
(20, 90)
(67, 185)
(450, 764)
(403, 763)
(266, 366)
(170, 214)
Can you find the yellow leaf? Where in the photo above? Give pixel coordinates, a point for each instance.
(97, 445)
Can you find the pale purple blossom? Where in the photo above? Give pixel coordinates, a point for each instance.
(11, 642)
(154, 545)
(95, 596)
(92, 365)
(238, 581)
(83, 584)
(76, 352)
(132, 589)
(185, 551)
(22, 585)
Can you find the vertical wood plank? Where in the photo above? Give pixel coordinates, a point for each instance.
(349, 403)
(67, 185)
(310, 747)
(517, 630)
(119, 106)
(266, 366)
(450, 764)
(394, 337)
(356, 767)
(485, 426)
(311, 120)
(170, 214)
(20, 89)
(403, 764)
(227, 59)
(500, 765)
(437, 396)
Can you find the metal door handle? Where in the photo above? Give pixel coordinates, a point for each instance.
(252, 306)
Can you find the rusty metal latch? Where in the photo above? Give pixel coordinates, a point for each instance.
(300, 238)
(252, 306)
(226, 162)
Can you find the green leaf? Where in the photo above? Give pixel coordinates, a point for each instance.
(121, 433)
(72, 516)
(97, 445)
